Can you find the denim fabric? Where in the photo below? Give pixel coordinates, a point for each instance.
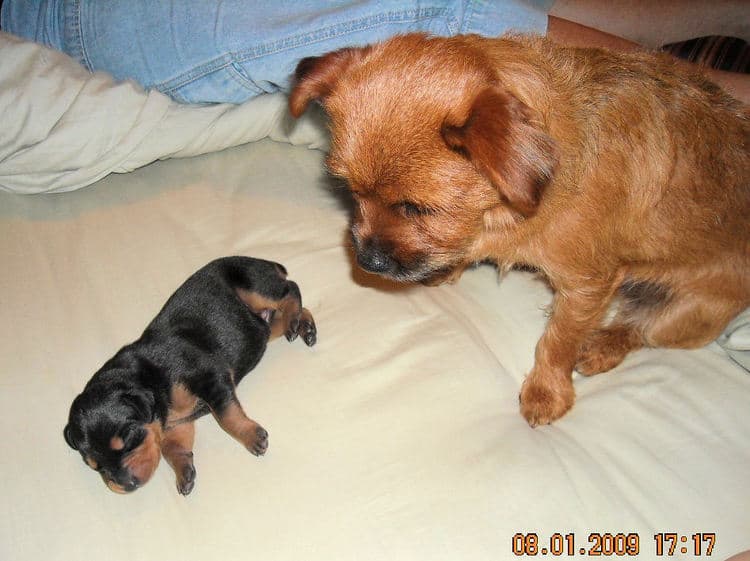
(200, 51)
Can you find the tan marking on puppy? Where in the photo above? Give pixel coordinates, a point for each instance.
(237, 424)
(114, 486)
(182, 405)
(285, 311)
(116, 443)
(177, 449)
(177, 442)
(143, 460)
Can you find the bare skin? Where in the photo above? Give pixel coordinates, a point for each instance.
(621, 25)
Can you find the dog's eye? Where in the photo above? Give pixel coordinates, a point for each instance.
(410, 210)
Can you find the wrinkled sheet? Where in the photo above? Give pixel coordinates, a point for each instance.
(64, 127)
(396, 437)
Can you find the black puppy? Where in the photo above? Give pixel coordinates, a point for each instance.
(142, 403)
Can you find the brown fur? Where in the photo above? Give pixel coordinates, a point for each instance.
(619, 176)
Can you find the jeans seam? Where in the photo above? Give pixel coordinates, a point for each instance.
(237, 76)
(293, 42)
(469, 12)
(73, 37)
(339, 30)
(194, 74)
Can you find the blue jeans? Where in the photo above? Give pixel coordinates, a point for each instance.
(200, 51)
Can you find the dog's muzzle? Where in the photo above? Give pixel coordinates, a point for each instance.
(122, 485)
(375, 259)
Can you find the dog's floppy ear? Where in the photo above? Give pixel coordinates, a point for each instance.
(69, 438)
(506, 145)
(141, 403)
(315, 77)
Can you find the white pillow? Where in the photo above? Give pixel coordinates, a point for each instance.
(65, 128)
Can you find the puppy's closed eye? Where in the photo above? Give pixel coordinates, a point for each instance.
(128, 437)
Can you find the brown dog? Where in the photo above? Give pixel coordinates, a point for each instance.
(616, 175)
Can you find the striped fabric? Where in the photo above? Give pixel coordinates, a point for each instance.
(722, 53)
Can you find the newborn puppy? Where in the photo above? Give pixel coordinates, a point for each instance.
(142, 403)
(621, 177)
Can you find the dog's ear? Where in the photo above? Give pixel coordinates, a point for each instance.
(315, 77)
(69, 438)
(507, 145)
(141, 404)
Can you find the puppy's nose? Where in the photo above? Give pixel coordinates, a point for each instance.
(372, 258)
(131, 485)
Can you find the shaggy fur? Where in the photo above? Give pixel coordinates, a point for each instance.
(615, 175)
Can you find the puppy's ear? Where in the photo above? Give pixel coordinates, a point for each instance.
(69, 438)
(316, 77)
(142, 405)
(508, 146)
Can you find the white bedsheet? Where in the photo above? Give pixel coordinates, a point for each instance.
(396, 437)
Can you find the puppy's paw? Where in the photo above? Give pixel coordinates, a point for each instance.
(544, 400)
(307, 328)
(605, 349)
(292, 327)
(259, 443)
(186, 479)
(302, 324)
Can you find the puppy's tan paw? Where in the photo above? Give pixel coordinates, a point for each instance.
(186, 476)
(257, 444)
(543, 402)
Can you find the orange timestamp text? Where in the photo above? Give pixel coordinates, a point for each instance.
(605, 544)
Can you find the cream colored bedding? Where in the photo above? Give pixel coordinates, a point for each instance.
(397, 437)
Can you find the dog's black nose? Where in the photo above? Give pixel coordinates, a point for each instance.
(372, 258)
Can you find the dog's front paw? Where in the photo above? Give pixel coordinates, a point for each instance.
(544, 400)
(259, 443)
(186, 478)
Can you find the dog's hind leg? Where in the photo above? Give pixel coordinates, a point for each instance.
(250, 434)
(655, 315)
(606, 348)
(217, 390)
(285, 315)
(691, 320)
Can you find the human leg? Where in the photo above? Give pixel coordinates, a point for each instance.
(653, 24)
(230, 51)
